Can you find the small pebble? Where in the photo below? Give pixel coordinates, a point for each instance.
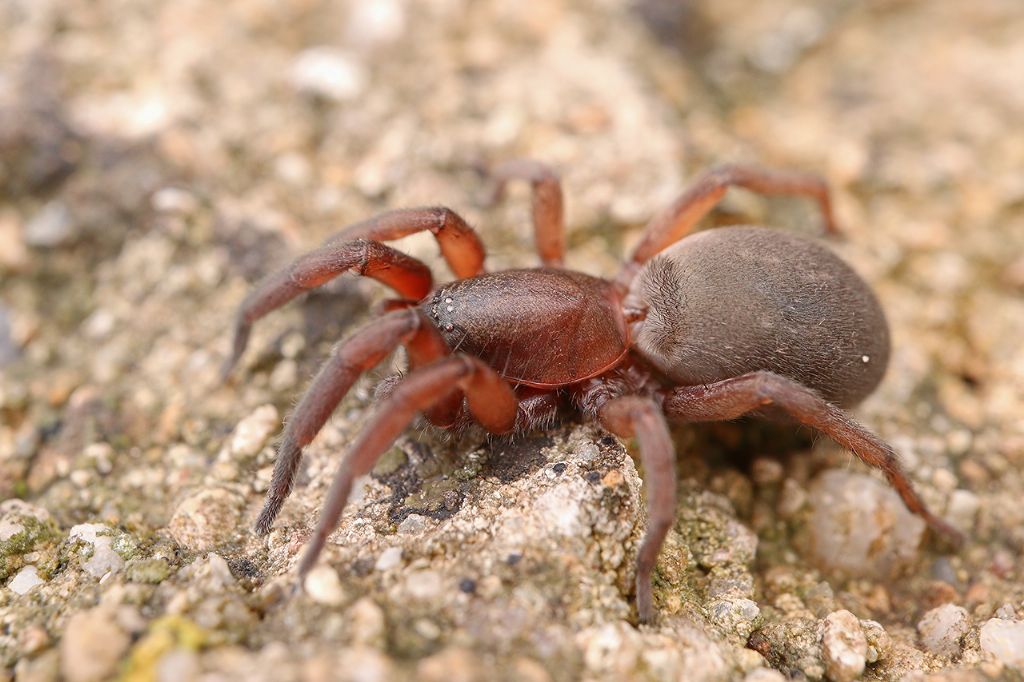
(424, 584)
(252, 433)
(962, 510)
(52, 226)
(104, 559)
(879, 641)
(368, 625)
(388, 559)
(1004, 640)
(328, 73)
(413, 523)
(24, 580)
(324, 587)
(735, 616)
(943, 628)
(206, 518)
(92, 646)
(844, 647)
(860, 527)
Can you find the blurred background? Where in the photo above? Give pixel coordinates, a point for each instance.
(158, 158)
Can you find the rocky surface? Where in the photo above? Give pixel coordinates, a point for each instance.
(157, 158)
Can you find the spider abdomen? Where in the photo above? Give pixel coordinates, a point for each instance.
(540, 327)
(729, 301)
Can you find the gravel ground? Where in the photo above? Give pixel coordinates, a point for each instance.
(157, 158)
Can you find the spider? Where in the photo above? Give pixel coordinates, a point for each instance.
(695, 327)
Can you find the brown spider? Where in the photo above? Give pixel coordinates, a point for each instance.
(724, 323)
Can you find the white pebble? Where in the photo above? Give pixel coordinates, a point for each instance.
(252, 433)
(424, 584)
(376, 23)
(25, 580)
(413, 523)
(963, 508)
(389, 558)
(104, 559)
(1004, 640)
(943, 628)
(324, 587)
(329, 73)
(860, 527)
(843, 646)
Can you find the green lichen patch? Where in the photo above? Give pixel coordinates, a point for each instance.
(23, 529)
(151, 571)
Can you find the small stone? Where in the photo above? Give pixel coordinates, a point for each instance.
(1004, 640)
(151, 571)
(879, 641)
(52, 226)
(766, 471)
(735, 616)
(25, 580)
(206, 518)
(378, 23)
(943, 628)
(252, 433)
(962, 510)
(24, 528)
(178, 664)
(8, 348)
(1006, 612)
(174, 200)
(844, 647)
(324, 587)
(284, 376)
(92, 646)
(368, 625)
(34, 639)
(424, 584)
(329, 73)
(102, 559)
(413, 523)
(860, 527)
(388, 559)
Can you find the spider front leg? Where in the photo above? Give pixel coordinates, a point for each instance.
(733, 398)
(630, 416)
(358, 248)
(547, 204)
(491, 400)
(347, 362)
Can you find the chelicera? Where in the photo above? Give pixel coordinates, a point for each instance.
(711, 326)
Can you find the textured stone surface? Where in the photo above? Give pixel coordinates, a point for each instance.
(943, 628)
(844, 646)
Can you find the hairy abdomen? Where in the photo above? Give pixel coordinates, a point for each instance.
(734, 300)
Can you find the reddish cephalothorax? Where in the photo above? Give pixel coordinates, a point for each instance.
(723, 323)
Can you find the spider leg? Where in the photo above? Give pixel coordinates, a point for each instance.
(460, 245)
(491, 400)
(547, 203)
(358, 248)
(676, 221)
(630, 416)
(347, 362)
(733, 398)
